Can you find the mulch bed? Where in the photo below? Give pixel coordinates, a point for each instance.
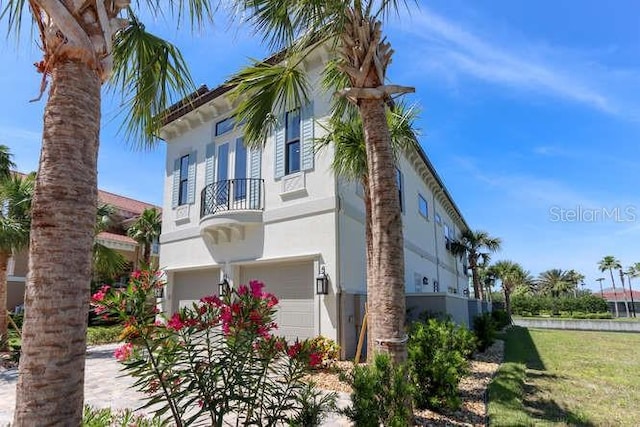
(472, 388)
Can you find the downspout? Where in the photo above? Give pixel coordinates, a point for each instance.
(338, 265)
(435, 235)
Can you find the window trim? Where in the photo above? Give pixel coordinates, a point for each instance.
(218, 124)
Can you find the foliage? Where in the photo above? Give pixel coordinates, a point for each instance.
(326, 348)
(381, 394)
(314, 406)
(17, 319)
(535, 305)
(103, 334)
(484, 328)
(500, 318)
(146, 230)
(438, 352)
(214, 359)
(105, 417)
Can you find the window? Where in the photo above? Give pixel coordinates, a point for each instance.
(445, 229)
(423, 207)
(184, 181)
(438, 219)
(240, 186)
(292, 142)
(400, 189)
(224, 126)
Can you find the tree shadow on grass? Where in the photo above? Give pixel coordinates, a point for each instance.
(513, 389)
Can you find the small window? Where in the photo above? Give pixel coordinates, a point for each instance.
(445, 229)
(184, 181)
(438, 219)
(400, 189)
(292, 142)
(423, 206)
(224, 126)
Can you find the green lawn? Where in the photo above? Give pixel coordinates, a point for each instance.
(571, 378)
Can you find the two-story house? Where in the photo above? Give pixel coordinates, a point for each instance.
(279, 214)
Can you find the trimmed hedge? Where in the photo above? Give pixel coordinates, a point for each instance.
(537, 305)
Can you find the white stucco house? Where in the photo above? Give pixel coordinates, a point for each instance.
(280, 215)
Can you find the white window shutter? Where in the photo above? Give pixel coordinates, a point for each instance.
(175, 194)
(306, 136)
(255, 172)
(279, 136)
(191, 193)
(209, 164)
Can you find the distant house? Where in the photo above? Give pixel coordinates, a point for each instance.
(126, 212)
(279, 214)
(620, 296)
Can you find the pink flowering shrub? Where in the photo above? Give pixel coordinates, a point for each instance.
(216, 358)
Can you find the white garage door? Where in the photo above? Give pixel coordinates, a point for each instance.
(292, 283)
(190, 286)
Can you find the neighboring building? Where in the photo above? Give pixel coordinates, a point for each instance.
(620, 297)
(280, 215)
(126, 212)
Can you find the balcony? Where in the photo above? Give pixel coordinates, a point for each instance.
(228, 207)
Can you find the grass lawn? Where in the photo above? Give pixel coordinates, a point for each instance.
(553, 377)
(95, 335)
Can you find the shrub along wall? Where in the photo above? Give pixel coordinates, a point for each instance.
(537, 305)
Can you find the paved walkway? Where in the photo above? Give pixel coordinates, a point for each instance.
(105, 386)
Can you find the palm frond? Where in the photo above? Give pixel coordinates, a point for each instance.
(151, 74)
(265, 91)
(107, 262)
(13, 12)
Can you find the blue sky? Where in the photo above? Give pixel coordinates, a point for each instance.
(530, 113)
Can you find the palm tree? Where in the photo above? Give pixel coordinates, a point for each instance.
(352, 31)
(84, 44)
(511, 276)
(609, 262)
(624, 291)
(146, 230)
(554, 282)
(15, 197)
(575, 278)
(633, 271)
(107, 262)
(6, 164)
(476, 246)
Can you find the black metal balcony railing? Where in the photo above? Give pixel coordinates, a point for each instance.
(232, 195)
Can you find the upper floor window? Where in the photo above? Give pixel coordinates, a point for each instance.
(224, 126)
(423, 207)
(445, 229)
(400, 188)
(184, 181)
(438, 219)
(292, 142)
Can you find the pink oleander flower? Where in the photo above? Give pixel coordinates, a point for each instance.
(123, 352)
(175, 322)
(256, 288)
(271, 300)
(255, 317)
(243, 290)
(315, 359)
(136, 274)
(211, 300)
(294, 350)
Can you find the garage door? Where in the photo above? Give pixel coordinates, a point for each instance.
(292, 283)
(190, 286)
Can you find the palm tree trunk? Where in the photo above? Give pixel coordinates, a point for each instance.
(615, 295)
(475, 277)
(368, 254)
(507, 302)
(147, 255)
(385, 289)
(4, 327)
(624, 294)
(51, 372)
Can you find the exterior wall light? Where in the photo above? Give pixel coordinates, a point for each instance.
(322, 282)
(223, 287)
(158, 291)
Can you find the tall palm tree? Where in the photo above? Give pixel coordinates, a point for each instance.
(633, 271)
(15, 197)
(575, 278)
(107, 262)
(609, 262)
(512, 276)
(476, 246)
(352, 31)
(554, 282)
(624, 291)
(6, 164)
(350, 159)
(84, 43)
(146, 230)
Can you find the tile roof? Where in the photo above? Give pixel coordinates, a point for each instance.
(105, 235)
(124, 203)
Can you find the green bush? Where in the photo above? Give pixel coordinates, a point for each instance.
(93, 417)
(485, 330)
(17, 319)
(103, 334)
(500, 318)
(382, 394)
(438, 353)
(543, 305)
(315, 405)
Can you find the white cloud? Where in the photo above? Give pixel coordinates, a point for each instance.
(449, 48)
